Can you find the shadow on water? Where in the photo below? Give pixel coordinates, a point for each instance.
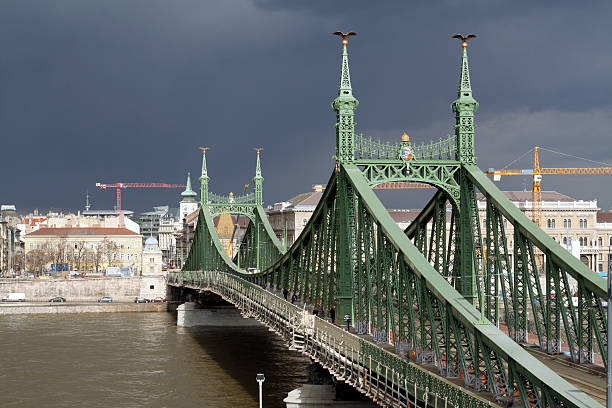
(244, 351)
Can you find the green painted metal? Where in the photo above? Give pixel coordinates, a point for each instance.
(258, 183)
(430, 291)
(583, 327)
(374, 371)
(464, 107)
(204, 179)
(448, 336)
(345, 105)
(260, 246)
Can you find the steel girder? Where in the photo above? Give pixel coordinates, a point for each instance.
(248, 210)
(260, 246)
(555, 316)
(439, 173)
(488, 359)
(380, 374)
(403, 300)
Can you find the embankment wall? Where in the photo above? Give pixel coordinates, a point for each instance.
(38, 308)
(84, 289)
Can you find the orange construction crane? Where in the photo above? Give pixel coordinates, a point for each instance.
(537, 172)
(119, 186)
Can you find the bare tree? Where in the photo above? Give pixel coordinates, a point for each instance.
(78, 254)
(37, 258)
(18, 259)
(98, 255)
(88, 259)
(110, 250)
(58, 252)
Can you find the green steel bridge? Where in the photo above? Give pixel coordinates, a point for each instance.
(421, 302)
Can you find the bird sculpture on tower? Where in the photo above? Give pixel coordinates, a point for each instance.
(344, 36)
(464, 38)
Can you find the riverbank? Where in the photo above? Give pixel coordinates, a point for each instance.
(86, 289)
(54, 308)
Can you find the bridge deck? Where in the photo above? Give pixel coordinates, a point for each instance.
(591, 381)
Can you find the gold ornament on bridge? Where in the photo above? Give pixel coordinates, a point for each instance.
(405, 137)
(464, 38)
(204, 149)
(344, 36)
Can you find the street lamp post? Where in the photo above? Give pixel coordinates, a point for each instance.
(260, 379)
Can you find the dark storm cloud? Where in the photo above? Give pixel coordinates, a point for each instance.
(127, 90)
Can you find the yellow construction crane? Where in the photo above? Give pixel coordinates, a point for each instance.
(537, 172)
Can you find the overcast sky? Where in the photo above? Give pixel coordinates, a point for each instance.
(126, 90)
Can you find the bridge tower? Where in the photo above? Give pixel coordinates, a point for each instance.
(345, 105)
(258, 180)
(204, 179)
(469, 245)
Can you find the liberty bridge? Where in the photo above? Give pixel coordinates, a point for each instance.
(421, 303)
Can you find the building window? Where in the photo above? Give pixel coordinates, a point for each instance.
(600, 267)
(565, 240)
(122, 257)
(549, 223)
(128, 257)
(128, 246)
(135, 257)
(610, 241)
(122, 246)
(553, 223)
(600, 241)
(151, 287)
(151, 260)
(32, 245)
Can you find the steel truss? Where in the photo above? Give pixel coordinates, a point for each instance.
(400, 296)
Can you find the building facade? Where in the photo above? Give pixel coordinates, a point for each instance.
(82, 250)
(151, 258)
(579, 226)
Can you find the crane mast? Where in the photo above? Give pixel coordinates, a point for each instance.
(537, 172)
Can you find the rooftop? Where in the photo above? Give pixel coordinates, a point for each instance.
(93, 231)
(528, 196)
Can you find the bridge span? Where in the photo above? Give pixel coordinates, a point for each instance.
(421, 301)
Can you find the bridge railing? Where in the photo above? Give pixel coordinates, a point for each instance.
(225, 199)
(368, 148)
(377, 373)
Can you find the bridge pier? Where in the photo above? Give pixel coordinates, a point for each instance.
(323, 391)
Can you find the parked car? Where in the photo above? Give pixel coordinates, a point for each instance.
(105, 299)
(57, 299)
(141, 300)
(158, 299)
(14, 297)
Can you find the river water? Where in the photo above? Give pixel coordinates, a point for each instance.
(140, 360)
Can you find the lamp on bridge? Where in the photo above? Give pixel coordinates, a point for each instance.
(260, 379)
